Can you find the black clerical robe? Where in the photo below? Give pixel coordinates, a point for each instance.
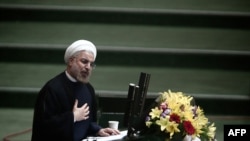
(53, 117)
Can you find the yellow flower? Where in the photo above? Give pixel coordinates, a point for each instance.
(187, 114)
(155, 113)
(199, 111)
(148, 123)
(176, 101)
(211, 131)
(171, 128)
(199, 123)
(163, 122)
(168, 126)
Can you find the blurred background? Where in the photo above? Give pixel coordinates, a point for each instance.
(201, 48)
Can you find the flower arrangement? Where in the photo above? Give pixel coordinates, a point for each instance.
(175, 116)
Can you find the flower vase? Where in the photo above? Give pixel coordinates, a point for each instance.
(189, 138)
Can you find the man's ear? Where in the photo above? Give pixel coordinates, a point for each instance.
(71, 60)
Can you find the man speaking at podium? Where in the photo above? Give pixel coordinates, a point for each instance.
(65, 109)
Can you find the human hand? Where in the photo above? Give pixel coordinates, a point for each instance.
(80, 113)
(107, 132)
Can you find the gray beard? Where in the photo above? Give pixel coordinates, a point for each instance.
(81, 79)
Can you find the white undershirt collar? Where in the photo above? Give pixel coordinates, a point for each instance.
(70, 77)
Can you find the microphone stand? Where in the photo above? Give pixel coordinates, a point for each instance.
(136, 100)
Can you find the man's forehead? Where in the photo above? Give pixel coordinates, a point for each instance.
(86, 55)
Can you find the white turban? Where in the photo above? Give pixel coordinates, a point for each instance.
(79, 45)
